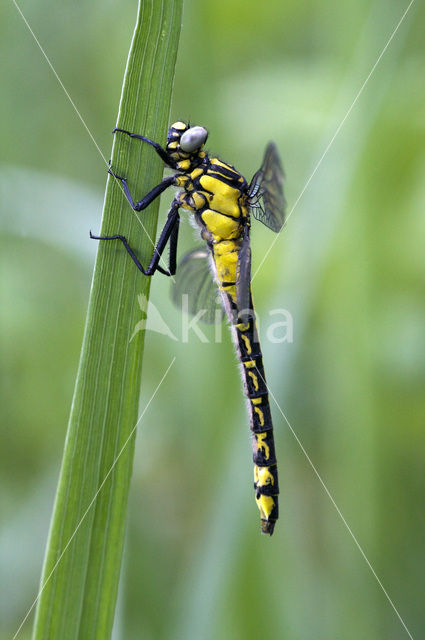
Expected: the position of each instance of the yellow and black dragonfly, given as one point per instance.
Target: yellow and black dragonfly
(221, 202)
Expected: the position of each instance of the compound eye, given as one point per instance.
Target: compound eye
(193, 139)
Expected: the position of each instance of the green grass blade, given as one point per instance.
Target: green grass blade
(82, 565)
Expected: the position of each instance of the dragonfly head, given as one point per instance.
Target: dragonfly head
(184, 144)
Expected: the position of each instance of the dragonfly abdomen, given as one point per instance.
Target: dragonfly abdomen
(265, 464)
(225, 257)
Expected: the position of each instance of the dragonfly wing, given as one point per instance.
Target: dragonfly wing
(266, 191)
(195, 289)
(243, 275)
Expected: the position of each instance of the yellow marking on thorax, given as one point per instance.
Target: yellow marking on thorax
(216, 162)
(225, 198)
(266, 506)
(221, 226)
(183, 181)
(179, 125)
(261, 444)
(196, 173)
(181, 198)
(262, 476)
(183, 165)
(199, 199)
(220, 163)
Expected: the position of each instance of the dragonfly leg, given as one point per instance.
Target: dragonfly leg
(149, 197)
(168, 233)
(160, 151)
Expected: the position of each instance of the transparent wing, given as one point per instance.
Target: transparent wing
(266, 191)
(195, 289)
(243, 274)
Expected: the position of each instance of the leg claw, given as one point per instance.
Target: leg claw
(121, 131)
(115, 175)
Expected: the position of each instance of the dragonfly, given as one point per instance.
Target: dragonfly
(221, 203)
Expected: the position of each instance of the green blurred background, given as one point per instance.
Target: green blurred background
(349, 267)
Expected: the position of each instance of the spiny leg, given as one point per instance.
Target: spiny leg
(172, 258)
(149, 197)
(169, 232)
(160, 151)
